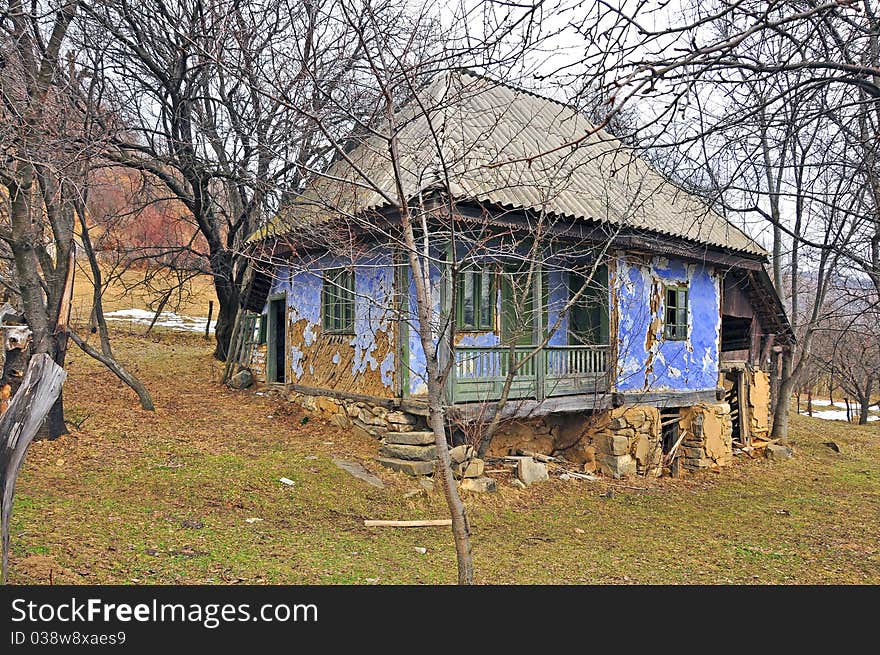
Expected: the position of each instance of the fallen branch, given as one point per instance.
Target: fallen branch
(30, 405)
(580, 476)
(537, 456)
(406, 524)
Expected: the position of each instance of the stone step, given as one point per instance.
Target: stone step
(402, 451)
(408, 466)
(410, 438)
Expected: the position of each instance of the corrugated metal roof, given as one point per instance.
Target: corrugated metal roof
(491, 143)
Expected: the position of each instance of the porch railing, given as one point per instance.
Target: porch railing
(479, 373)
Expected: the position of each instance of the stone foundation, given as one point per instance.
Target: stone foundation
(624, 441)
(759, 404)
(708, 439)
(628, 441)
(621, 441)
(360, 417)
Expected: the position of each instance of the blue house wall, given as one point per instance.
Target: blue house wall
(646, 360)
(365, 361)
(362, 362)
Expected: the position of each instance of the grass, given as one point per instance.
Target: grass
(165, 497)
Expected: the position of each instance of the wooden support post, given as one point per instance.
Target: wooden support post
(742, 401)
(540, 362)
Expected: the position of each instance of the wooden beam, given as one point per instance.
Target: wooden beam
(409, 405)
(664, 399)
(532, 408)
(407, 524)
(742, 395)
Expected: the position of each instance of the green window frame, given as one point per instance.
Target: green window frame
(588, 320)
(261, 331)
(676, 313)
(337, 301)
(475, 299)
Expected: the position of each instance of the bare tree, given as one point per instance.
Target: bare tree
(186, 83)
(38, 175)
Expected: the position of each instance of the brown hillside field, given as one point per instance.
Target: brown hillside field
(193, 301)
(167, 497)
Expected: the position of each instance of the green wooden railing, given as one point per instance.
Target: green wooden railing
(478, 373)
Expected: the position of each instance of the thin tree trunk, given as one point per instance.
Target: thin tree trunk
(118, 370)
(783, 403)
(106, 356)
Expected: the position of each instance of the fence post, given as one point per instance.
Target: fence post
(210, 314)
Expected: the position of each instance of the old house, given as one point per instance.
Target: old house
(620, 318)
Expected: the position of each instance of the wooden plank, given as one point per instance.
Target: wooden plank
(39, 389)
(407, 524)
(742, 401)
(664, 399)
(532, 408)
(389, 403)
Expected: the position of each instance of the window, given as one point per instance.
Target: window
(588, 316)
(518, 316)
(337, 301)
(676, 313)
(476, 300)
(261, 330)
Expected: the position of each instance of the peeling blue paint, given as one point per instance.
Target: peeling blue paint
(655, 363)
(373, 294)
(479, 339)
(644, 364)
(387, 369)
(418, 380)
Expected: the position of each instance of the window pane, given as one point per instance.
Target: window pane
(467, 312)
(486, 300)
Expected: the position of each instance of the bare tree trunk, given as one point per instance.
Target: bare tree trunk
(783, 403)
(118, 370)
(864, 409)
(865, 403)
(106, 356)
(18, 426)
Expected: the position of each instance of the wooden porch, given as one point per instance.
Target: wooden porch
(479, 373)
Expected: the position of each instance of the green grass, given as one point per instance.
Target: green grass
(164, 497)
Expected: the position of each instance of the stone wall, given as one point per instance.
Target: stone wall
(759, 404)
(625, 441)
(258, 361)
(621, 441)
(708, 441)
(628, 441)
(362, 418)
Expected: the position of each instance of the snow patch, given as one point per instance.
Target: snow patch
(168, 320)
(836, 414)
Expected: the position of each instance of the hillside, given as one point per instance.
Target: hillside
(191, 494)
